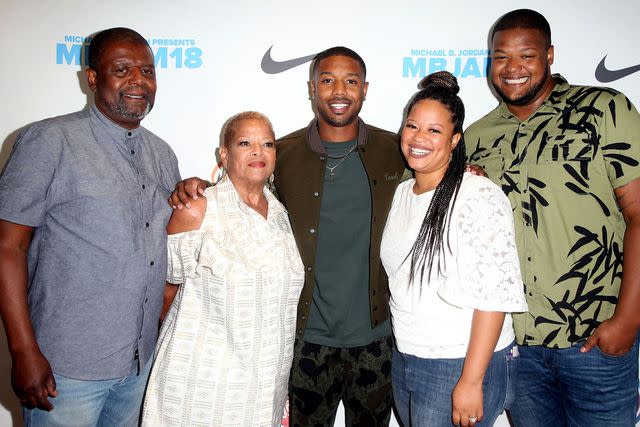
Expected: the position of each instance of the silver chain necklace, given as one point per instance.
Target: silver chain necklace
(341, 157)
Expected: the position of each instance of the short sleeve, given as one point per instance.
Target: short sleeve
(183, 252)
(620, 140)
(27, 178)
(487, 275)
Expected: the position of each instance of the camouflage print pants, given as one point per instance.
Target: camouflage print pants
(322, 376)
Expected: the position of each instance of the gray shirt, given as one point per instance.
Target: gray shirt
(96, 194)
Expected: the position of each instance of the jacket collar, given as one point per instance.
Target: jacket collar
(315, 142)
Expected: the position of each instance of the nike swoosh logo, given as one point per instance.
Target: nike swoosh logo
(605, 75)
(270, 66)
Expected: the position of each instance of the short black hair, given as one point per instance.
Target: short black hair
(338, 51)
(523, 18)
(103, 38)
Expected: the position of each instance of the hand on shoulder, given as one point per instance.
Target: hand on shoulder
(183, 220)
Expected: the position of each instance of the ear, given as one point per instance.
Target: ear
(365, 87)
(455, 140)
(224, 154)
(312, 88)
(92, 79)
(550, 55)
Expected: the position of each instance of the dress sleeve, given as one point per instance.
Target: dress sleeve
(487, 274)
(183, 252)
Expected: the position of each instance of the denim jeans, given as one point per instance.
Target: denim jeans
(100, 403)
(563, 387)
(422, 388)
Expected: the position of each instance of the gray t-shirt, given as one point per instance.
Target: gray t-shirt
(340, 314)
(96, 195)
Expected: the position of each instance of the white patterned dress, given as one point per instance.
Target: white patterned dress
(225, 348)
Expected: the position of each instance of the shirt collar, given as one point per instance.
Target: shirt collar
(117, 132)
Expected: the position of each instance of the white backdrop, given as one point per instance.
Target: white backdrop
(210, 64)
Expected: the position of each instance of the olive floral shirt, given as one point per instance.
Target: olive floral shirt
(559, 168)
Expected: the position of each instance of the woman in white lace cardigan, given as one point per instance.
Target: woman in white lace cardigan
(226, 345)
(449, 250)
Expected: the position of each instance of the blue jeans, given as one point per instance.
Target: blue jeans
(101, 403)
(563, 387)
(422, 388)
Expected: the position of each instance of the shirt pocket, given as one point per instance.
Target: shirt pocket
(568, 157)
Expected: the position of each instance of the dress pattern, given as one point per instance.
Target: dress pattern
(225, 348)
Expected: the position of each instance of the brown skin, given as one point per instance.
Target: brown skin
(249, 157)
(338, 90)
(124, 85)
(522, 53)
(338, 80)
(428, 128)
(31, 375)
(616, 335)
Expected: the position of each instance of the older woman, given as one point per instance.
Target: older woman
(449, 249)
(226, 345)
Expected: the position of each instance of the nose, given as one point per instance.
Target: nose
(136, 76)
(339, 87)
(258, 150)
(513, 64)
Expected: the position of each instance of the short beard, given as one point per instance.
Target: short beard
(123, 111)
(338, 123)
(527, 97)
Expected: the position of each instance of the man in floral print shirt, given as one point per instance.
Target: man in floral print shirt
(567, 157)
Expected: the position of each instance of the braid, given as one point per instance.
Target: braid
(442, 87)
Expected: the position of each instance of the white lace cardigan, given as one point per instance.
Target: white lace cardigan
(433, 320)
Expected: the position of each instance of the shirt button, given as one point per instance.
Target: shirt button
(129, 133)
(133, 152)
(299, 331)
(146, 300)
(143, 187)
(312, 230)
(535, 279)
(375, 182)
(140, 337)
(306, 303)
(375, 308)
(151, 263)
(529, 258)
(530, 294)
(146, 224)
(373, 292)
(322, 157)
(309, 268)
(304, 317)
(316, 194)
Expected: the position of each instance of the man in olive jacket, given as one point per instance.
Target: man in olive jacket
(337, 178)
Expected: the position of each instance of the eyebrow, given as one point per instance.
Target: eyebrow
(331, 73)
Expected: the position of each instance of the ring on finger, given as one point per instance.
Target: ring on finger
(473, 419)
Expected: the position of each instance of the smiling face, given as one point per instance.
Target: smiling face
(249, 154)
(124, 82)
(521, 69)
(338, 90)
(427, 140)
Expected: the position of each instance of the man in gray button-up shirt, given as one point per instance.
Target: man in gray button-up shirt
(83, 246)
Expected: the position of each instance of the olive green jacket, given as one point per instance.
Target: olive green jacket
(298, 178)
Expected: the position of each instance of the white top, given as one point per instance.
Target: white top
(226, 346)
(481, 271)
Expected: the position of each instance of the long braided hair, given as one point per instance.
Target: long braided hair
(441, 86)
